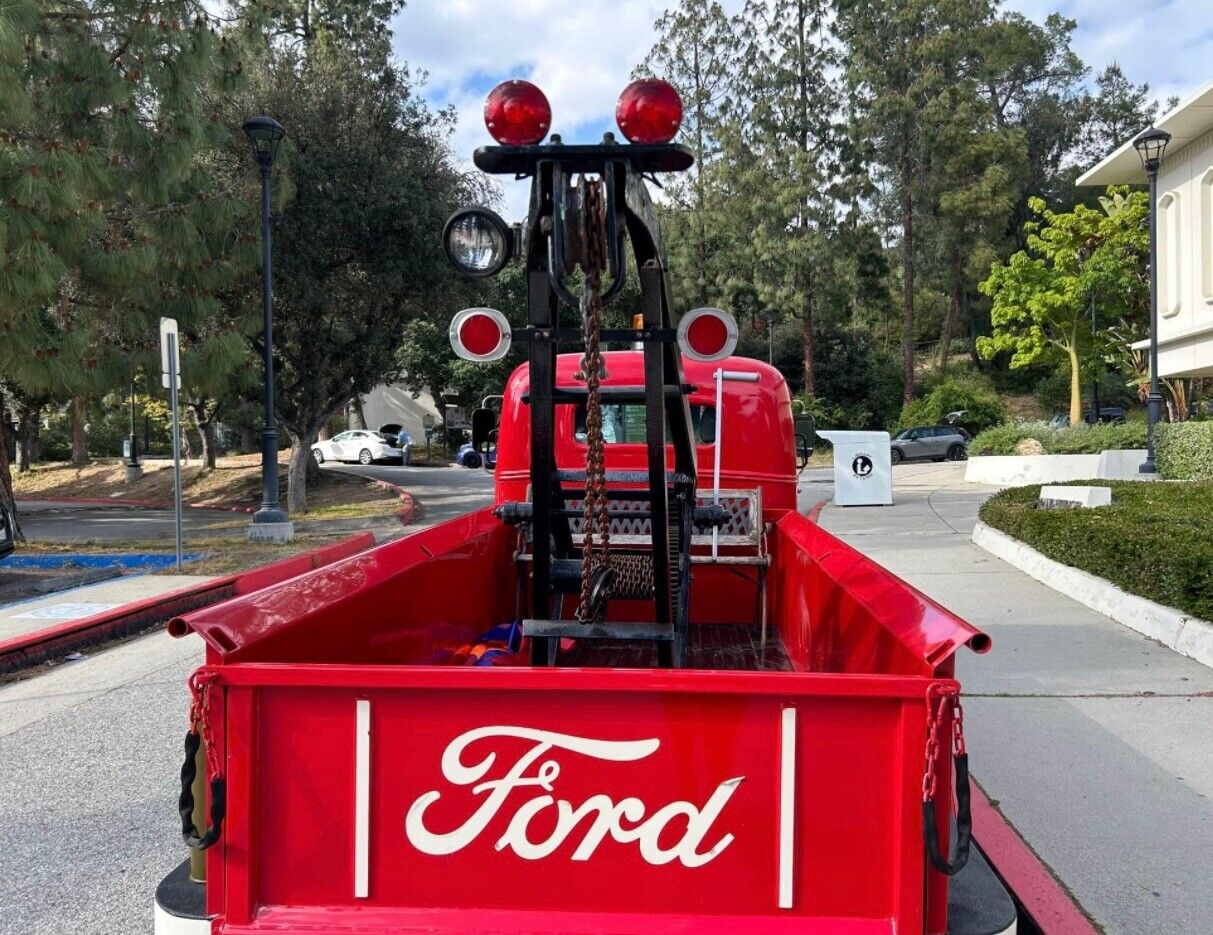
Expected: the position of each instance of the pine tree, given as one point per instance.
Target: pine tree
(697, 52)
(1116, 112)
(900, 58)
(110, 214)
(784, 143)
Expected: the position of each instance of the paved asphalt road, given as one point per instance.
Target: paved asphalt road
(90, 751)
(67, 522)
(1095, 741)
(442, 492)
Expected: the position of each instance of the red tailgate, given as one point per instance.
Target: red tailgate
(570, 800)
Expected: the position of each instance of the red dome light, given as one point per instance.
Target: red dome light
(480, 334)
(517, 113)
(707, 334)
(649, 111)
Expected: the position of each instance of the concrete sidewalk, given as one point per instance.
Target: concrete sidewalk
(42, 613)
(1095, 742)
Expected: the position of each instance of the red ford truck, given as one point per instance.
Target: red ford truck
(641, 692)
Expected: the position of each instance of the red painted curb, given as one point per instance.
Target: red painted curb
(815, 510)
(1032, 883)
(29, 649)
(409, 512)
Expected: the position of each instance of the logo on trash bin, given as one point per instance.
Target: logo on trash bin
(862, 465)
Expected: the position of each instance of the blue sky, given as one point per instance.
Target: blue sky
(467, 46)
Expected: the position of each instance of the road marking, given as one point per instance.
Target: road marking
(64, 611)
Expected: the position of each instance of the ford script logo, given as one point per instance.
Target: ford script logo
(508, 789)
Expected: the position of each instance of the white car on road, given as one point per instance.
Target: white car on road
(361, 445)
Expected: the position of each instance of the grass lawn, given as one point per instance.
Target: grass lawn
(1155, 540)
(234, 481)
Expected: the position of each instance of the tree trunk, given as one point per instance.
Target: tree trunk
(210, 443)
(6, 484)
(27, 438)
(1075, 385)
(952, 316)
(808, 341)
(357, 416)
(907, 272)
(79, 440)
(296, 474)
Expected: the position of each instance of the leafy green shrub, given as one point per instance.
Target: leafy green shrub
(1184, 450)
(969, 392)
(1073, 440)
(1092, 439)
(1002, 439)
(1154, 540)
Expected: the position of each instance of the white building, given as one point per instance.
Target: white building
(1185, 232)
(395, 404)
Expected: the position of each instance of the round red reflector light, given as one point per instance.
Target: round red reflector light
(649, 111)
(480, 334)
(517, 113)
(707, 334)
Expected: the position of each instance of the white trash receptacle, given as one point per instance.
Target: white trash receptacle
(863, 469)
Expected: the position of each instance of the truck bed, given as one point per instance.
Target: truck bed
(730, 647)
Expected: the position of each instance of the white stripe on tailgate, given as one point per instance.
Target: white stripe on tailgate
(362, 796)
(787, 803)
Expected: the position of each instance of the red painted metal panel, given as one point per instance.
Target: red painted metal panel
(841, 612)
(759, 443)
(684, 738)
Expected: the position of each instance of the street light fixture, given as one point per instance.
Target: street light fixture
(1151, 145)
(270, 522)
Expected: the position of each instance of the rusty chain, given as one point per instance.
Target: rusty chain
(592, 371)
(199, 683)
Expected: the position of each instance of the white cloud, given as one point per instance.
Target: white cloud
(1167, 44)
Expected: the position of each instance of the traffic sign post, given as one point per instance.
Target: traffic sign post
(171, 378)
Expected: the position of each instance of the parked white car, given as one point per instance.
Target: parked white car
(361, 445)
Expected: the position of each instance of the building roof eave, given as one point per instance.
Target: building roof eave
(1190, 119)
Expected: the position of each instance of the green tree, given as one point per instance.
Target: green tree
(109, 216)
(1116, 112)
(356, 247)
(1042, 295)
(697, 52)
(900, 58)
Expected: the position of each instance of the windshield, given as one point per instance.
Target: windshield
(624, 424)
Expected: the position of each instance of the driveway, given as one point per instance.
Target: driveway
(442, 492)
(1096, 743)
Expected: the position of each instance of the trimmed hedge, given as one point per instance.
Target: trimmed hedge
(1154, 540)
(1184, 450)
(1072, 440)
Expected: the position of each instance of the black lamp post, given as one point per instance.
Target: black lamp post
(270, 521)
(1150, 146)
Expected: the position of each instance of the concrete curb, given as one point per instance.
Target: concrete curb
(1189, 636)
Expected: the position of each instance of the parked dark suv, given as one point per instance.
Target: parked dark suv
(6, 533)
(936, 442)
